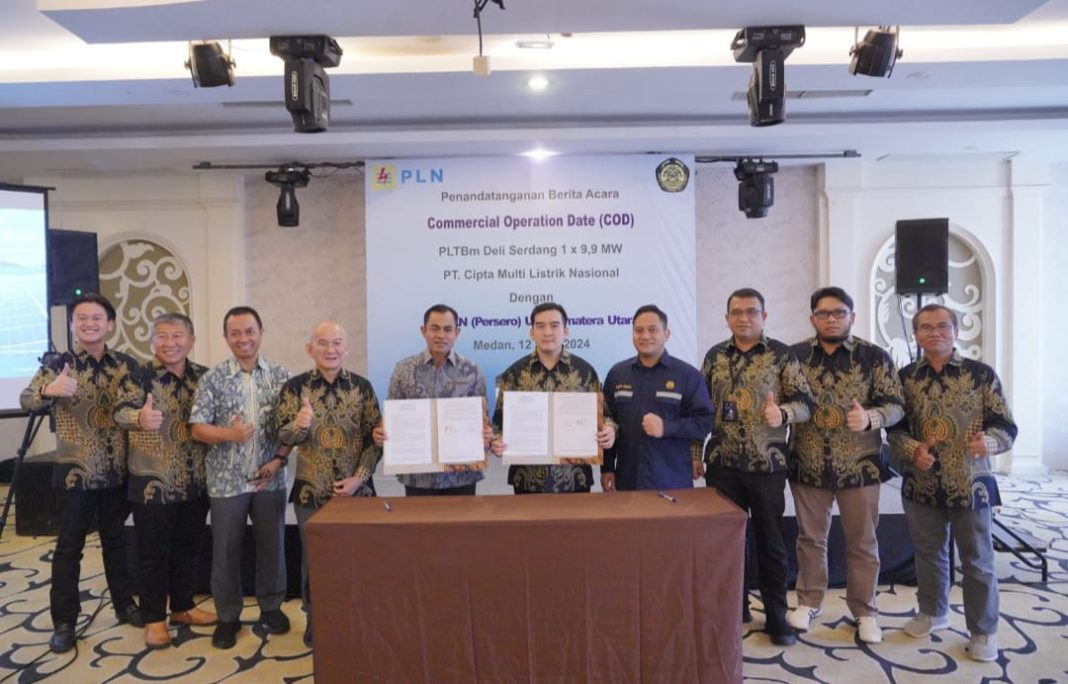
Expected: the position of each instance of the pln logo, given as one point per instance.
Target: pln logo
(388, 176)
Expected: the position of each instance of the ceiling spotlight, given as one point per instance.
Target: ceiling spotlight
(538, 83)
(210, 65)
(756, 187)
(288, 178)
(877, 53)
(767, 47)
(307, 87)
(534, 44)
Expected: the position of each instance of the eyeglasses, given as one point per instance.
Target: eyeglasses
(927, 329)
(837, 314)
(747, 313)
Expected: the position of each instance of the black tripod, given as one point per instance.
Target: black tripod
(33, 424)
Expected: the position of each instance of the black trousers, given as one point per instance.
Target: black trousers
(76, 511)
(464, 490)
(763, 496)
(168, 536)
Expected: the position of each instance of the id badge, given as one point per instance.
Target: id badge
(730, 412)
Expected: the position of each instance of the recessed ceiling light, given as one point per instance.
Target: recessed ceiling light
(538, 83)
(539, 153)
(918, 75)
(534, 44)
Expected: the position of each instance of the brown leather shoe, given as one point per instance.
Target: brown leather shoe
(156, 635)
(193, 616)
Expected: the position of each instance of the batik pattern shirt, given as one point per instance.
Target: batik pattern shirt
(90, 447)
(748, 443)
(951, 406)
(528, 374)
(338, 443)
(416, 377)
(830, 455)
(227, 391)
(166, 465)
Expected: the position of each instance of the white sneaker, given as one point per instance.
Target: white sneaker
(799, 618)
(868, 630)
(982, 647)
(923, 624)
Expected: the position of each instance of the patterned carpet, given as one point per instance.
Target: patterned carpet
(1033, 630)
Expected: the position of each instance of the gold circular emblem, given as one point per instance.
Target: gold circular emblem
(828, 417)
(672, 175)
(100, 418)
(331, 437)
(939, 429)
(670, 384)
(743, 397)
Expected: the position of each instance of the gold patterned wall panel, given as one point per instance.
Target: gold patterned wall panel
(143, 279)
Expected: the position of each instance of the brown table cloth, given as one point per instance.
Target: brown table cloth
(621, 587)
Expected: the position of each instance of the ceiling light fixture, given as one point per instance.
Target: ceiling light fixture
(480, 63)
(877, 53)
(767, 47)
(534, 44)
(209, 65)
(288, 178)
(756, 187)
(306, 85)
(539, 153)
(538, 83)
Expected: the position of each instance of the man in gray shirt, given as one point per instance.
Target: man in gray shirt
(438, 372)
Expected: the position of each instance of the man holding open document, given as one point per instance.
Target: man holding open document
(543, 421)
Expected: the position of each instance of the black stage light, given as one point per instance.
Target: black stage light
(876, 54)
(210, 65)
(288, 178)
(767, 47)
(756, 187)
(307, 87)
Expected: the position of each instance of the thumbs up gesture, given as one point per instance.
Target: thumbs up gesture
(857, 419)
(304, 417)
(922, 457)
(63, 386)
(240, 431)
(149, 418)
(772, 414)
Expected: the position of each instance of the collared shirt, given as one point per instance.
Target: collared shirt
(166, 465)
(829, 454)
(416, 377)
(528, 374)
(950, 406)
(338, 444)
(744, 378)
(90, 447)
(671, 389)
(224, 392)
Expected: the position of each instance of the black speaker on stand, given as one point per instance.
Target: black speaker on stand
(921, 256)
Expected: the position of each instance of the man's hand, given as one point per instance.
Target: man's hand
(148, 418)
(698, 470)
(653, 425)
(265, 474)
(240, 431)
(606, 436)
(304, 417)
(348, 486)
(608, 482)
(378, 435)
(922, 457)
(977, 445)
(857, 419)
(63, 386)
(487, 435)
(772, 413)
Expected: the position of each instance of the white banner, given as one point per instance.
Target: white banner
(493, 237)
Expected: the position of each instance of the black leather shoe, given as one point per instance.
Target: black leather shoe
(783, 638)
(63, 638)
(225, 635)
(746, 615)
(129, 614)
(275, 621)
(308, 635)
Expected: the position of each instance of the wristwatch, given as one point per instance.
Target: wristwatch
(785, 416)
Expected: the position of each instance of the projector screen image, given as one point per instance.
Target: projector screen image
(23, 289)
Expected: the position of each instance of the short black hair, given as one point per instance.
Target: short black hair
(653, 309)
(242, 311)
(928, 308)
(91, 298)
(547, 306)
(745, 293)
(179, 318)
(441, 309)
(832, 291)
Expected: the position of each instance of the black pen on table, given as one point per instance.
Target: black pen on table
(665, 495)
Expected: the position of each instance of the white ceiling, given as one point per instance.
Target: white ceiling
(104, 89)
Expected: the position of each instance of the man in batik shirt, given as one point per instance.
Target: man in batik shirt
(839, 458)
(167, 486)
(329, 413)
(758, 390)
(80, 387)
(549, 368)
(956, 418)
